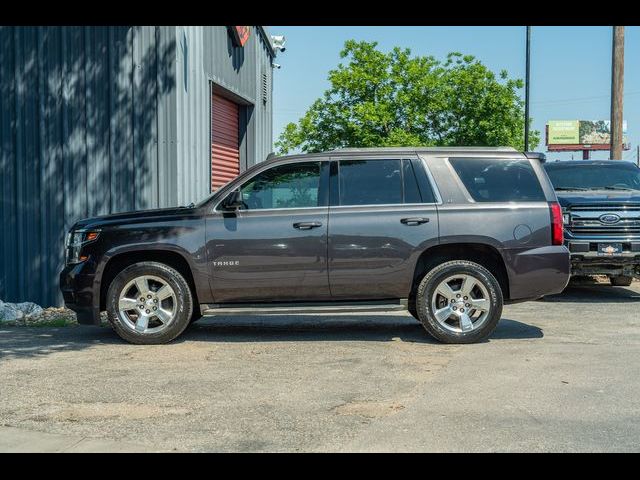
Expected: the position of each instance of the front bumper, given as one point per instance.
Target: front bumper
(585, 259)
(77, 286)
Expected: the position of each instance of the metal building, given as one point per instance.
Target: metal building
(98, 120)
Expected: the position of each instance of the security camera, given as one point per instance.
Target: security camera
(276, 65)
(278, 42)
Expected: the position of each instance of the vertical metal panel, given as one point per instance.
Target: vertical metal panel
(166, 115)
(192, 110)
(53, 190)
(207, 55)
(97, 120)
(145, 148)
(9, 260)
(80, 113)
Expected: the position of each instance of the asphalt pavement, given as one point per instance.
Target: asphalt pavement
(561, 374)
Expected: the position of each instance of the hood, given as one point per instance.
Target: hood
(568, 198)
(139, 216)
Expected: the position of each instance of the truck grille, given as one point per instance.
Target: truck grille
(591, 219)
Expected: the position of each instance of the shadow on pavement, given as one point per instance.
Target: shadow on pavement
(17, 342)
(514, 330)
(595, 293)
(355, 328)
(22, 342)
(315, 328)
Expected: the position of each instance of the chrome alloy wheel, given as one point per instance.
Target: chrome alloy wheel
(147, 304)
(461, 303)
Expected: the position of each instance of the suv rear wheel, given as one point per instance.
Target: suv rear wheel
(149, 303)
(459, 302)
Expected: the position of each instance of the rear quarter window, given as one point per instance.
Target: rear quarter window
(495, 180)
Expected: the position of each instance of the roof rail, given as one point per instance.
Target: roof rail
(424, 149)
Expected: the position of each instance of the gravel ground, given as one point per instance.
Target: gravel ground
(557, 375)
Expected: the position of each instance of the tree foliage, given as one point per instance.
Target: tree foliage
(396, 99)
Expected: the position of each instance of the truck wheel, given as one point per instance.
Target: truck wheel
(411, 307)
(149, 303)
(621, 281)
(459, 302)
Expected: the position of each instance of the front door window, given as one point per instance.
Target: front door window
(294, 185)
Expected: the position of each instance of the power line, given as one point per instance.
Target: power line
(580, 99)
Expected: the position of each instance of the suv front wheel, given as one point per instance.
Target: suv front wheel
(149, 303)
(459, 302)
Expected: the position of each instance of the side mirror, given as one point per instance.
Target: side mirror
(234, 201)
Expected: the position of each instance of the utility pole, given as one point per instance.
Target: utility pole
(638, 155)
(617, 87)
(526, 91)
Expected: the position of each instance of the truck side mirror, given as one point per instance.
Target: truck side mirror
(235, 201)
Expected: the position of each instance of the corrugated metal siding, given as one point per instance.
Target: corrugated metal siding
(225, 151)
(193, 141)
(97, 120)
(263, 112)
(206, 56)
(81, 110)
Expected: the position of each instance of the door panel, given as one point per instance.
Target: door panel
(372, 254)
(261, 257)
(380, 221)
(275, 247)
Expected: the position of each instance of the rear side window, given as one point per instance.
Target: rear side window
(383, 182)
(493, 180)
(370, 182)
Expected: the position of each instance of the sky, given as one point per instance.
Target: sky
(570, 68)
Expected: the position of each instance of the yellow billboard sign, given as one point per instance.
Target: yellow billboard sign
(563, 132)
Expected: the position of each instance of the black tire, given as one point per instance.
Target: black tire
(184, 307)
(411, 306)
(437, 275)
(621, 281)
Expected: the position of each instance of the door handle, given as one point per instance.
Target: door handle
(306, 225)
(414, 221)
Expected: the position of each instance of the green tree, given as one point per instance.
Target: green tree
(396, 99)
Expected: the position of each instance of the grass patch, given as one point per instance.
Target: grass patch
(57, 322)
(54, 322)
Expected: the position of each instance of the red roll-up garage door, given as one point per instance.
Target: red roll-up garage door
(225, 148)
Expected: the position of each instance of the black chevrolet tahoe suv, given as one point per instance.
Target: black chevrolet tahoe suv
(449, 234)
(601, 211)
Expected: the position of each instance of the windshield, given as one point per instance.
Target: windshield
(594, 177)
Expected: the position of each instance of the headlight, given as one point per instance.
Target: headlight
(76, 239)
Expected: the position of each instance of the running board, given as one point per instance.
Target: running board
(302, 309)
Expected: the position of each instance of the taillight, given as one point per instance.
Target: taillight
(557, 232)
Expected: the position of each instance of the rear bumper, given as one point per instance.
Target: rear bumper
(76, 285)
(537, 272)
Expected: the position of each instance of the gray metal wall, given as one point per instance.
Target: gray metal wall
(97, 120)
(206, 56)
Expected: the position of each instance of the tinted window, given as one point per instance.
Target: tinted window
(370, 182)
(411, 190)
(294, 185)
(594, 176)
(426, 190)
(489, 180)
